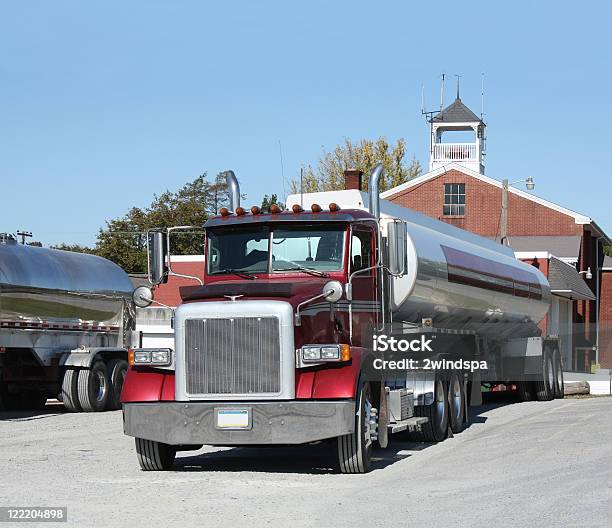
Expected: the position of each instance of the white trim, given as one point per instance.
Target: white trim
(578, 218)
(187, 258)
(532, 254)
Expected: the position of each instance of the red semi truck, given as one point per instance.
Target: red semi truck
(276, 345)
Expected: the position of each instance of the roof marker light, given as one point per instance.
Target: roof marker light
(334, 207)
(255, 210)
(224, 211)
(297, 208)
(275, 209)
(240, 211)
(315, 208)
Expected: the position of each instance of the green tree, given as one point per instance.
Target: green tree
(123, 240)
(268, 201)
(365, 155)
(77, 248)
(608, 250)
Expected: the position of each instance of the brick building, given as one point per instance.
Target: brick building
(557, 239)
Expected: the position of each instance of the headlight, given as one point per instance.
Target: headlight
(322, 353)
(150, 356)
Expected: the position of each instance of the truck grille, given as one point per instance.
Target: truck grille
(239, 355)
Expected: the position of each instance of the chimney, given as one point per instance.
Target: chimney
(352, 179)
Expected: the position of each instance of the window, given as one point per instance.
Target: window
(454, 199)
(247, 249)
(361, 250)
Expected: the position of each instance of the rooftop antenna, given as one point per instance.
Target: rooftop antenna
(458, 77)
(422, 98)
(282, 166)
(442, 92)
(302, 187)
(482, 96)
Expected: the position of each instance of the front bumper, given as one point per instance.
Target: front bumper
(287, 422)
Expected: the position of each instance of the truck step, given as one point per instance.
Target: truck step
(408, 424)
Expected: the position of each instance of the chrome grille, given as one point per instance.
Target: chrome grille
(239, 355)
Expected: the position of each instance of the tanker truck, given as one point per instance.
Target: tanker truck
(279, 344)
(66, 320)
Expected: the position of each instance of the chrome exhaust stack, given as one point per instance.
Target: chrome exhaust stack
(233, 190)
(374, 190)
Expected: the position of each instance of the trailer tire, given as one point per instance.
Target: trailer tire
(545, 387)
(355, 449)
(558, 369)
(94, 387)
(437, 413)
(456, 403)
(70, 390)
(524, 391)
(154, 456)
(117, 369)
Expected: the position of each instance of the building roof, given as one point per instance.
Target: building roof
(565, 281)
(564, 247)
(578, 217)
(456, 112)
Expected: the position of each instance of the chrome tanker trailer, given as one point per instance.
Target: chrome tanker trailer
(342, 318)
(66, 320)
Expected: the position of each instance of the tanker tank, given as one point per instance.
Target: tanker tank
(40, 285)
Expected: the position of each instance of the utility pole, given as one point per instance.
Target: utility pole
(503, 228)
(24, 235)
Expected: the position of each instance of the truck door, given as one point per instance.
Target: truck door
(364, 306)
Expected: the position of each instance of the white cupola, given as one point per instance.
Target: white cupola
(457, 118)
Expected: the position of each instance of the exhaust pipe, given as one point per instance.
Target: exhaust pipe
(374, 190)
(234, 190)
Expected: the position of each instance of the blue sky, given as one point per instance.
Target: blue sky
(103, 104)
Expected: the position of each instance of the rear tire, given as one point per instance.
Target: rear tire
(437, 426)
(117, 369)
(524, 390)
(558, 369)
(94, 387)
(456, 403)
(70, 391)
(355, 449)
(545, 387)
(154, 456)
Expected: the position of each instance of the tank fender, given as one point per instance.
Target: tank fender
(83, 357)
(422, 385)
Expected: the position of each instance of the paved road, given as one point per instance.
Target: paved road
(529, 464)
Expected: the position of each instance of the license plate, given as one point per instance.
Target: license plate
(233, 418)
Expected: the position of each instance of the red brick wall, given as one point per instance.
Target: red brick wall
(605, 321)
(169, 293)
(483, 208)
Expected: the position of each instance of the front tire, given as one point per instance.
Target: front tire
(117, 369)
(154, 456)
(355, 449)
(94, 387)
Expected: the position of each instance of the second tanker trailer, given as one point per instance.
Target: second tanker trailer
(279, 344)
(66, 320)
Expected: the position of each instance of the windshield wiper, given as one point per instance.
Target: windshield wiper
(310, 271)
(243, 274)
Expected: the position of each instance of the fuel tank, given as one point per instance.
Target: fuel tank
(40, 285)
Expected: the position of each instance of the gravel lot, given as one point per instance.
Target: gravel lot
(537, 464)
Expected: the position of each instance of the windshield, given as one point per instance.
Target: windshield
(247, 250)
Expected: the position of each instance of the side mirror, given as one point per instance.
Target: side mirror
(397, 239)
(142, 296)
(333, 291)
(156, 259)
